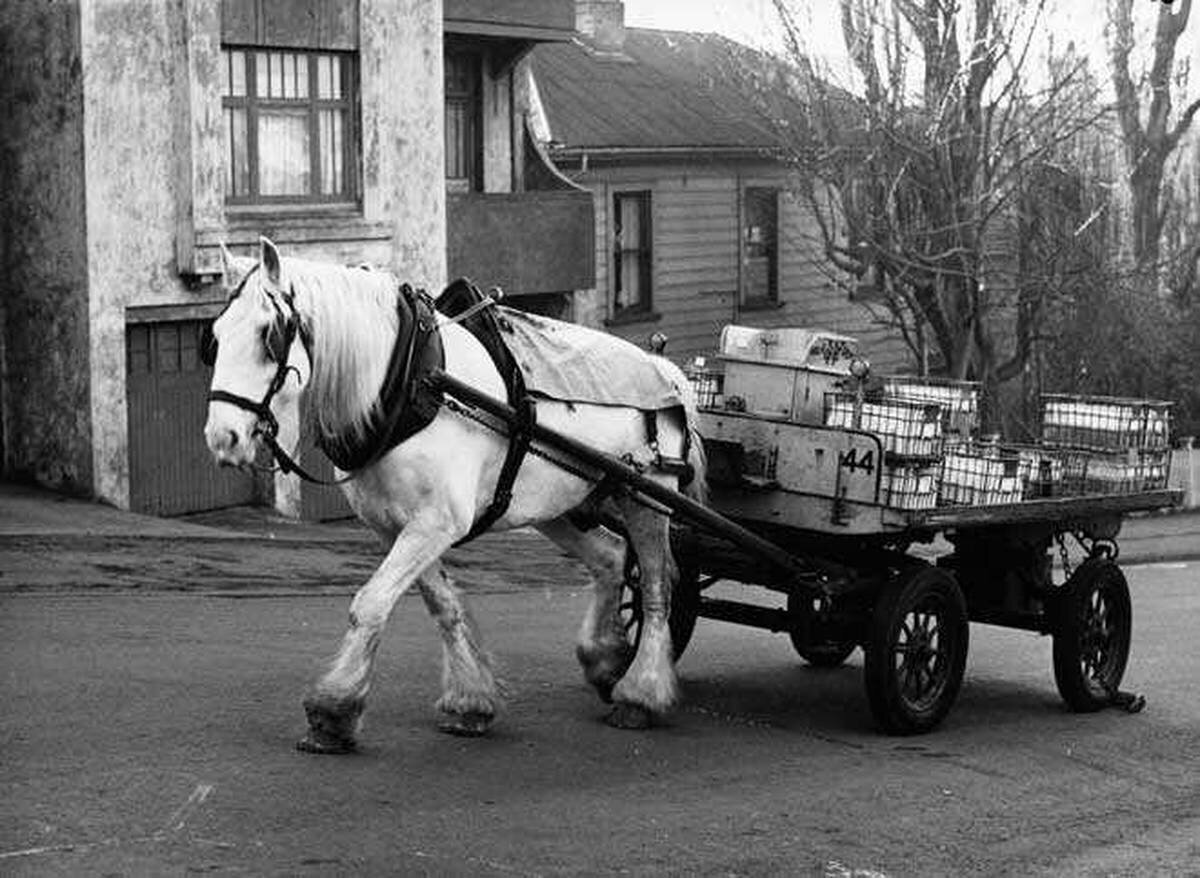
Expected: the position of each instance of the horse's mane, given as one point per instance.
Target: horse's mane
(350, 314)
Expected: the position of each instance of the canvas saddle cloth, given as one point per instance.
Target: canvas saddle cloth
(570, 363)
(552, 359)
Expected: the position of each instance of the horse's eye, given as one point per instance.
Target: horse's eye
(208, 345)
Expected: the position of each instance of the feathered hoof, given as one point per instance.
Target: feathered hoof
(323, 746)
(331, 728)
(603, 669)
(466, 725)
(625, 715)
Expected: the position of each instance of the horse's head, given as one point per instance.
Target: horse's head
(253, 349)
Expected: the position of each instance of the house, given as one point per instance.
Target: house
(697, 225)
(140, 136)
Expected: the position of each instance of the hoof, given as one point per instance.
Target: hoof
(331, 728)
(466, 725)
(312, 743)
(604, 669)
(629, 716)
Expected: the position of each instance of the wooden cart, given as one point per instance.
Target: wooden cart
(831, 516)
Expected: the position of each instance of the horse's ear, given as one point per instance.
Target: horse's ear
(270, 259)
(233, 268)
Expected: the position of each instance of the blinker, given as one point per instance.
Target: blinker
(277, 339)
(208, 345)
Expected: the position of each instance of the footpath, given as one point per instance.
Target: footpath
(52, 542)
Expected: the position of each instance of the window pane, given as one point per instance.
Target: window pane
(263, 71)
(138, 349)
(284, 166)
(237, 180)
(632, 256)
(332, 126)
(329, 77)
(276, 74)
(631, 223)
(189, 347)
(457, 140)
(335, 90)
(167, 336)
(760, 243)
(630, 293)
(302, 74)
(236, 82)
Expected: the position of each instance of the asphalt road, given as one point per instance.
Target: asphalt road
(148, 731)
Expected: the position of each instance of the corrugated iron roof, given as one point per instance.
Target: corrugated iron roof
(665, 90)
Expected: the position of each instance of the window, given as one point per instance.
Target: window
(760, 246)
(464, 145)
(289, 122)
(632, 256)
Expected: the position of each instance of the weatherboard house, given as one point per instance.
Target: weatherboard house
(696, 223)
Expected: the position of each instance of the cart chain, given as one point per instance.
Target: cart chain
(1064, 556)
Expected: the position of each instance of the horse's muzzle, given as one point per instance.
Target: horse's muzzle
(230, 444)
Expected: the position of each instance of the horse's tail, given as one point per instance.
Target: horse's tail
(697, 487)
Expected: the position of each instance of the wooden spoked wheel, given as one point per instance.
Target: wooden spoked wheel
(1092, 633)
(917, 651)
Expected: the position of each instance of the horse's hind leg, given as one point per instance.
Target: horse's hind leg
(649, 686)
(603, 646)
(468, 686)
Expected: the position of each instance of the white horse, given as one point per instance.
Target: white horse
(424, 494)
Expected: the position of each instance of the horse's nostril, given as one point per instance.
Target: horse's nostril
(233, 439)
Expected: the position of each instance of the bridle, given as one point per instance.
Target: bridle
(266, 426)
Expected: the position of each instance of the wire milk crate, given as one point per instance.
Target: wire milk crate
(906, 428)
(909, 486)
(1102, 423)
(707, 383)
(959, 399)
(1042, 470)
(1087, 473)
(973, 475)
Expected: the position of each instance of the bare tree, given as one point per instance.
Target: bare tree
(1151, 136)
(918, 190)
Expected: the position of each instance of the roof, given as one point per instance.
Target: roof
(666, 91)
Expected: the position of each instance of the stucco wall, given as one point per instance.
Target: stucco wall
(43, 276)
(131, 53)
(154, 138)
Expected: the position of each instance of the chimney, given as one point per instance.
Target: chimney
(601, 23)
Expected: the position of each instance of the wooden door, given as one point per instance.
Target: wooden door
(170, 469)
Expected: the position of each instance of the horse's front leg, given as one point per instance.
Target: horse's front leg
(469, 697)
(335, 706)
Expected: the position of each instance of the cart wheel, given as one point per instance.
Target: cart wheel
(685, 607)
(822, 652)
(1092, 632)
(917, 651)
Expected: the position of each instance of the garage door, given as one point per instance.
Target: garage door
(170, 469)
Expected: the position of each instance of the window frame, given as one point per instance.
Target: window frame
(644, 307)
(313, 105)
(771, 246)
